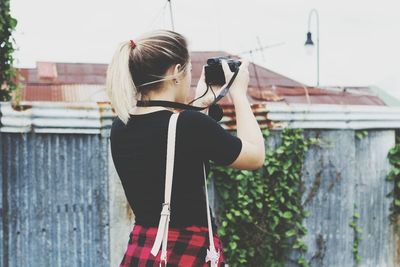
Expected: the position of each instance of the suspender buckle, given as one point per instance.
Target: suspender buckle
(165, 209)
(163, 263)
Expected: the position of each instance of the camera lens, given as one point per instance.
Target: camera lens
(212, 61)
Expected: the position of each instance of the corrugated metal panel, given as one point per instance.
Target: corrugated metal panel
(95, 118)
(377, 247)
(56, 203)
(54, 117)
(340, 172)
(322, 116)
(344, 171)
(55, 189)
(333, 116)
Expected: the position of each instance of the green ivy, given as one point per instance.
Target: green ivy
(10, 85)
(394, 176)
(357, 238)
(360, 134)
(261, 214)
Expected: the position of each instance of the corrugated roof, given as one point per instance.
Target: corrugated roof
(65, 93)
(80, 82)
(67, 73)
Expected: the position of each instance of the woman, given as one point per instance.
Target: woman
(157, 67)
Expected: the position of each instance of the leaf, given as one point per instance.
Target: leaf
(271, 170)
(296, 245)
(235, 237)
(290, 233)
(233, 245)
(13, 23)
(221, 231)
(287, 215)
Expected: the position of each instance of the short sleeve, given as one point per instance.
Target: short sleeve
(209, 139)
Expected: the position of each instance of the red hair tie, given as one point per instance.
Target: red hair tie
(133, 44)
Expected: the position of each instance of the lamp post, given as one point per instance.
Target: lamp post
(309, 42)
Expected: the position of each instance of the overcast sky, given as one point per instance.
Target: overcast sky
(359, 39)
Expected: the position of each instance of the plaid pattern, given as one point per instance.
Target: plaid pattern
(186, 247)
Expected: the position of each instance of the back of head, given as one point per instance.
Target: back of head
(136, 70)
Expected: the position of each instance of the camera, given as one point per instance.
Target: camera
(214, 73)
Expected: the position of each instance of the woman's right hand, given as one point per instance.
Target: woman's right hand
(240, 84)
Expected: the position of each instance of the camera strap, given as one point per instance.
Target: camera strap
(215, 112)
(226, 89)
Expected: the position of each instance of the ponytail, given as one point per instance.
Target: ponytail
(136, 71)
(120, 87)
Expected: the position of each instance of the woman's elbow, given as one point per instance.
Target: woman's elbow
(261, 158)
(261, 162)
(258, 163)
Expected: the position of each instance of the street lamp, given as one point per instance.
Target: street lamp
(309, 44)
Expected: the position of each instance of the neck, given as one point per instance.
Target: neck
(165, 94)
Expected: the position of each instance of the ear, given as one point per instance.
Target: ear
(177, 68)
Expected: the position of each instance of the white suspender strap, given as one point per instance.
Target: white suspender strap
(162, 232)
(212, 254)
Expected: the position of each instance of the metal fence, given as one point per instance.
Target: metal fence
(342, 172)
(54, 199)
(62, 203)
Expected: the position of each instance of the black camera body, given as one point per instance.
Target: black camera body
(214, 73)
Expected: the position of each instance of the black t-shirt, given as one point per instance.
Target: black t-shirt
(139, 154)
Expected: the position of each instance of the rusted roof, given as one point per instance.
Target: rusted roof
(81, 82)
(65, 93)
(66, 73)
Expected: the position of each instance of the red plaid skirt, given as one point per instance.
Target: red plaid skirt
(186, 247)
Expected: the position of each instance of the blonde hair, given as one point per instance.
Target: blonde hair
(133, 72)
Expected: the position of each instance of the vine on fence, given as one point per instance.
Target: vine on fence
(360, 134)
(9, 81)
(394, 176)
(357, 236)
(261, 213)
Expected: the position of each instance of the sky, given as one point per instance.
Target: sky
(359, 39)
